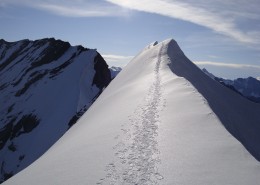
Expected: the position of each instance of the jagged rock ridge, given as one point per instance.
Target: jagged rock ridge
(45, 86)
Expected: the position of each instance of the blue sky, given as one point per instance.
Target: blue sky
(222, 36)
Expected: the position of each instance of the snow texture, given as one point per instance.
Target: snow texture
(160, 121)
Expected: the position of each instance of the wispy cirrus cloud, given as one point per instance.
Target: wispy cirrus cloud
(218, 17)
(76, 8)
(229, 65)
(76, 11)
(234, 18)
(117, 57)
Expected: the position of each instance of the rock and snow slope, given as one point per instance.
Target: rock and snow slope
(45, 85)
(159, 122)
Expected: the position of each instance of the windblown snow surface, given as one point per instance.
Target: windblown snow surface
(160, 121)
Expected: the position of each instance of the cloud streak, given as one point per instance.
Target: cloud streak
(117, 57)
(75, 11)
(223, 17)
(76, 8)
(229, 65)
(117, 60)
(201, 15)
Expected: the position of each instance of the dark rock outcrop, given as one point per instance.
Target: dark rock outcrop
(102, 76)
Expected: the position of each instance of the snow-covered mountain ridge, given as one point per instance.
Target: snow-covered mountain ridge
(45, 86)
(160, 121)
(247, 87)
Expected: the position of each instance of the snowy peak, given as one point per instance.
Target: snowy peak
(219, 98)
(149, 46)
(46, 85)
(169, 43)
(172, 46)
(160, 121)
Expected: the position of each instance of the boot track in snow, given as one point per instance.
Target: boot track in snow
(136, 153)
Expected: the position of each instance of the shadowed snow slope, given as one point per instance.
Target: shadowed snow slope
(159, 122)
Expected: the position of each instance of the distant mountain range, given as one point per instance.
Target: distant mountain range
(247, 87)
(46, 85)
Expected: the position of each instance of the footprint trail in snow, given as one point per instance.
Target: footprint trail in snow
(137, 154)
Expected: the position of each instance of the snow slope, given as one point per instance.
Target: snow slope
(45, 85)
(160, 121)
